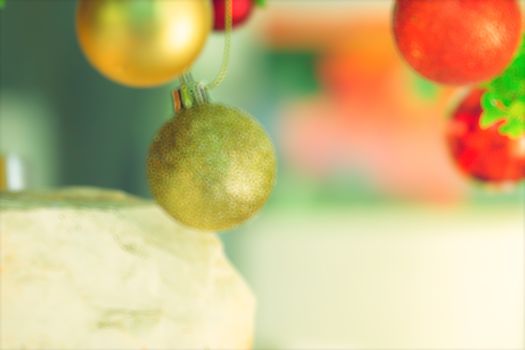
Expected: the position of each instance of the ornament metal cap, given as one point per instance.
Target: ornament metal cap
(190, 93)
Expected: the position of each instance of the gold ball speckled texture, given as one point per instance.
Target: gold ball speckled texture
(143, 43)
(211, 167)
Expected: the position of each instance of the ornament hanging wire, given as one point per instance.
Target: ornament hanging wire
(227, 47)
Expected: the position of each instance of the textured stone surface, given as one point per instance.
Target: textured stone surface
(88, 269)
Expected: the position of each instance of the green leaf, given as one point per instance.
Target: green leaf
(504, 100)
(492, 110)
(2, 4)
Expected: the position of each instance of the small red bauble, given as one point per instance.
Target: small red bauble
(242, 10)
(484, 154)
(457, 42)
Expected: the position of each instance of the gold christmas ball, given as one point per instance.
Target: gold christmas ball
(143, 43)
(211, 167)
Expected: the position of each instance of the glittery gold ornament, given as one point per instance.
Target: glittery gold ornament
(212, 166)
(143, 43)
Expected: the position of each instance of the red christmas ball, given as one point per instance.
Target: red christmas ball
(484, 154)
(242, 10)
(457, 42)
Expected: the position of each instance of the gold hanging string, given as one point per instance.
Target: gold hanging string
(227, 47)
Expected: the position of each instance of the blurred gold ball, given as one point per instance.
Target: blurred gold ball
(143, 43)
(211, 167)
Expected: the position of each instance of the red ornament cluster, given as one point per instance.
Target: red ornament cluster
(241, 9)
(457, 42)
(484, 154)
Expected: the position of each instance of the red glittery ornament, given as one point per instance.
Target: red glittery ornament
(484, 154)
(457, 42)
(242, 10)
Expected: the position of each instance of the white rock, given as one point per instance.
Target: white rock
(93, 269)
